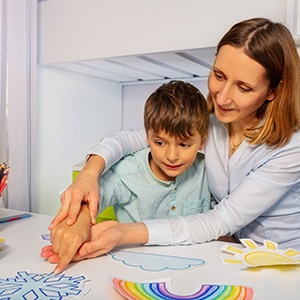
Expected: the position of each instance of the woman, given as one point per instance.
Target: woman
(252, 152)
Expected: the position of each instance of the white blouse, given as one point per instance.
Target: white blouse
(257, 190)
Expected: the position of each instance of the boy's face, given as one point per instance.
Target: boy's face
(171, 156)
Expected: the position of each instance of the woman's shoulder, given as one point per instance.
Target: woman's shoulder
(296, 137)
(293, 144)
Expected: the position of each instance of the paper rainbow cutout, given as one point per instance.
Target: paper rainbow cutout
(159, 290)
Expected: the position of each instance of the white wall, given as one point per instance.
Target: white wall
(73, 113)
(134, 97)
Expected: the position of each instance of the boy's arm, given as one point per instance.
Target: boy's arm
(66, 240)
(83, 189)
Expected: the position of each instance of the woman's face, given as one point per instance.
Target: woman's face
(238, 86)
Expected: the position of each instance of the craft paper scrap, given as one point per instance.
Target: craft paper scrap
(50, 286)
(46, 237)
(155, 262)
(254, 255)
(160, 290)
(2, 243)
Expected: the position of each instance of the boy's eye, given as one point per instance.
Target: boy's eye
(159, 143)
(184, 145)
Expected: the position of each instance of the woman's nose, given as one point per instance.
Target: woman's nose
(224, 96)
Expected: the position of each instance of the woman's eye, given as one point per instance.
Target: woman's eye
(244, 89)
(218, 75)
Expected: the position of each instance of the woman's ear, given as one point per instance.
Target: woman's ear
(273, 94)
(203, 142)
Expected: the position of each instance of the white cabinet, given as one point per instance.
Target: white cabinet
(136, 40)
(75, 30)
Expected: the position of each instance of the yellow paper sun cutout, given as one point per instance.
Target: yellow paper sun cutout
(266, 255)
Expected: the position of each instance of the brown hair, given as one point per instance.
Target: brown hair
(178, 108)
(272, 46)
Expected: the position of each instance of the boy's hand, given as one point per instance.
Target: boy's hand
(66, 240)
(104, 237)
(100, 234)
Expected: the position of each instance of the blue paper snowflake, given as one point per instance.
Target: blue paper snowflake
(46, 237)
(32, 286)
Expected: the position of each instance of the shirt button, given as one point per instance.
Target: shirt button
(173, 207)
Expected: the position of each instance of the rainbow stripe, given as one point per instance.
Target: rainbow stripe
(159, 290)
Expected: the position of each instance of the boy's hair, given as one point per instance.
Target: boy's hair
(178, 108)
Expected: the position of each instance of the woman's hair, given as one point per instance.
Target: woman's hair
(178, 108)
(272, 46)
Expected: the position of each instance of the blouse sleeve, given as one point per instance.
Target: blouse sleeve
(198, 228)
(269, 192)
(118, 145)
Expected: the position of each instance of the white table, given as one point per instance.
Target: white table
(24, 242)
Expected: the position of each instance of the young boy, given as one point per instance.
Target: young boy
(168, 178)
(163, 181)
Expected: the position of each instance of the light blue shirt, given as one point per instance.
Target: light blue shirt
(257, 190)
(136, 194)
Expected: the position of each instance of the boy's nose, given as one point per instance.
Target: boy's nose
(172, 154)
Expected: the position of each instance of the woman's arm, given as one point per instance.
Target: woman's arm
(120, 144)
(108, 235)
(85, 188)
(264, 204)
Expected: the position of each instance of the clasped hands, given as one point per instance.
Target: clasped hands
(74, 234)
(80, 240)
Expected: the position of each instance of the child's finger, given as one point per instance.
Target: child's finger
(62, 214)
(65, 259)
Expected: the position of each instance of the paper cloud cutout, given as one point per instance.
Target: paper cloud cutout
(155, 262)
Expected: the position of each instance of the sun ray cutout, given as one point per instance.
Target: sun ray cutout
(266, 255)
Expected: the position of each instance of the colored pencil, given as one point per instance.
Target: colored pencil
(4, 171)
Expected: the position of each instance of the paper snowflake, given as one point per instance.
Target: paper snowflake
(32, 286)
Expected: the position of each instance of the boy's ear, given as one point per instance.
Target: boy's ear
(147, 138)
(203, 142)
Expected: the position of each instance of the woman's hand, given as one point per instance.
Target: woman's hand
(83, 189)
(107, 235)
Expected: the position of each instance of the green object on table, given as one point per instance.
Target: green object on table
(107, 214)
